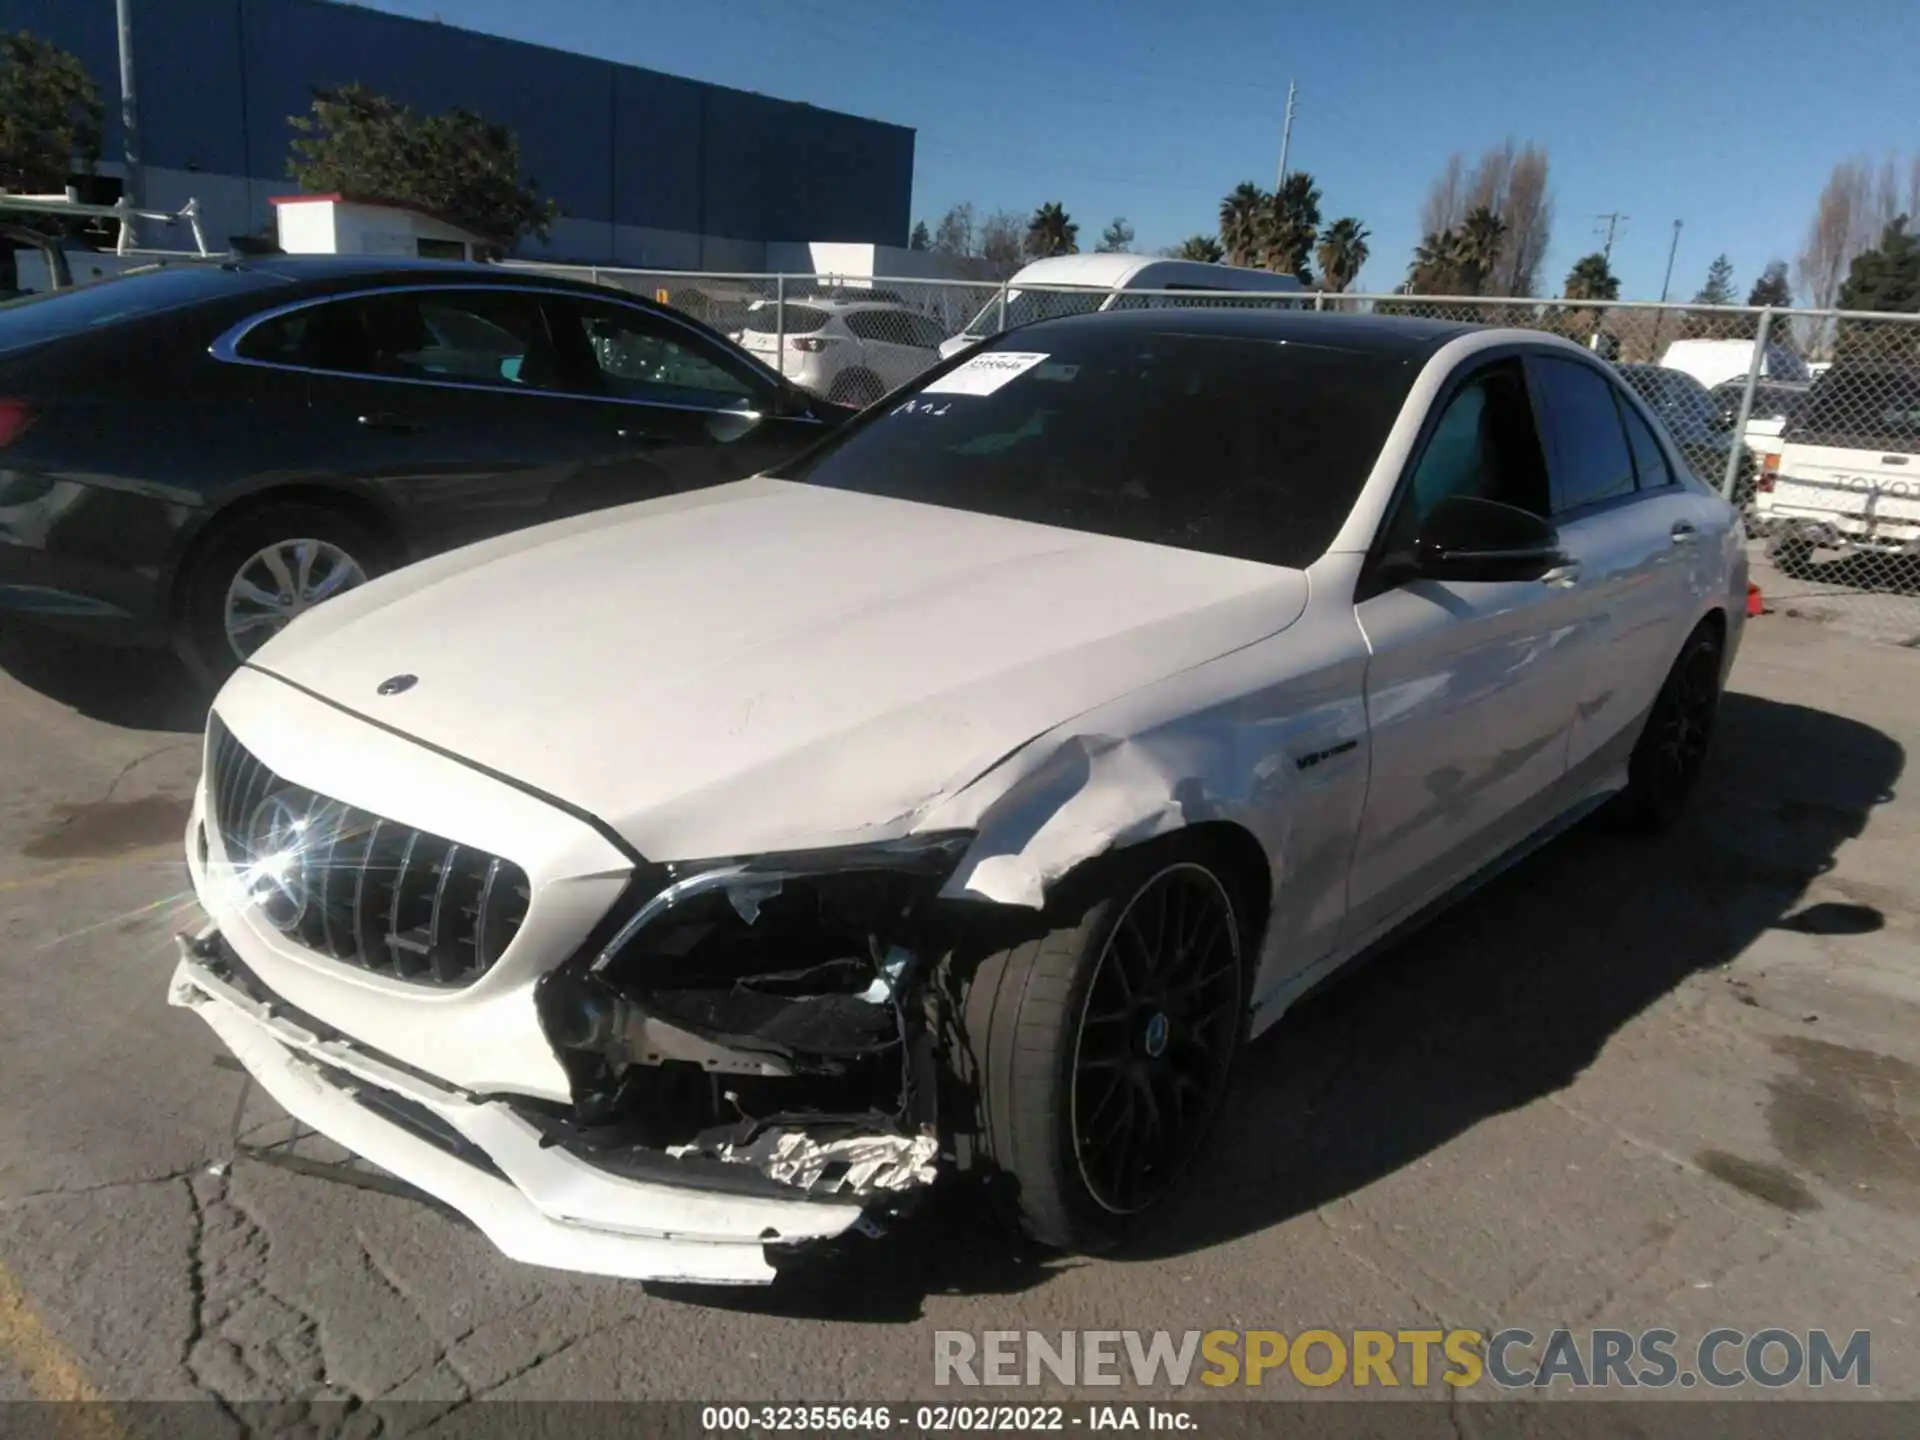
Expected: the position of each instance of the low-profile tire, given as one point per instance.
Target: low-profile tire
(1132, 1004)
(1671, 752)
(858, 388)
(233, 597)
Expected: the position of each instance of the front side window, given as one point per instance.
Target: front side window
(637, 356)
(1591, 458)
(1227, 444)
(1484, 446)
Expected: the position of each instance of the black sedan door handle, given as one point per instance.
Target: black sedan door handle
(1682, 532)
(390, 421)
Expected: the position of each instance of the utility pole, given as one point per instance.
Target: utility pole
(133, 189)
(1613, 219)
(1659, 316)
(1672, 250)
(1286, 136)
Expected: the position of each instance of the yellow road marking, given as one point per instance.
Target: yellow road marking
(81, 869)
(52, 1371)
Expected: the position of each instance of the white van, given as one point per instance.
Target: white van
(1078, 284)
(1714, 362)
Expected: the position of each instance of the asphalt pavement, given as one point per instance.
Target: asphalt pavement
(1632, 1084)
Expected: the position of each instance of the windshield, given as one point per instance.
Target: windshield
(32, 319)
(1674, 396)
(1238, 446)
(1026, 306)
(1862, 409)
(764, 317)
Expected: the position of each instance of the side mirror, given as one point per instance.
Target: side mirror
(792, 403)
(1472, 539)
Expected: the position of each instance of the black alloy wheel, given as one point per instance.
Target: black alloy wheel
(1156, 1037)
(1672, 751)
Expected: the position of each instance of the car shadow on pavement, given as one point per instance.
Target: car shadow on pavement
(1496, 1004)
(137, 689)
(1507, 998)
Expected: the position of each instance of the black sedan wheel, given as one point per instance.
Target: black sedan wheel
(259, 573)
(1672, 750)
(1102, 1050)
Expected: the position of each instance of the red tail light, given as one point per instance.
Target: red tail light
(15, 417)
(1769, 470)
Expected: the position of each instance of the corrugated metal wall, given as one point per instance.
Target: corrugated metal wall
(610, 143)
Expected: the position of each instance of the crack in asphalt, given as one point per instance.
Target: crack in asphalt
(61, 1192)
(247, 1342)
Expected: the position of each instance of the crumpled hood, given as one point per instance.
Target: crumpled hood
(769, 665)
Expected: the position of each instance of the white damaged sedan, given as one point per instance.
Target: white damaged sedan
(676, 888)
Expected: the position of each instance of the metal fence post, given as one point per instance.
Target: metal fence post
(780, 326)
(1002, 324)
(1754, 367)
(1319, 299)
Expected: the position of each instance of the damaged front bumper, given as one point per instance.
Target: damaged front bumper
(715, 1215)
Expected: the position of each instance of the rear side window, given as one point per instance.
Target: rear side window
(1876, 408)
(1239, 447)
(31, 319)
(1590, 455)
(467, 337)
(764, 319)
(1649, 461)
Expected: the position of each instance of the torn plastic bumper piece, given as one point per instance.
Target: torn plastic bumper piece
(856, 1164)
(538, 1202)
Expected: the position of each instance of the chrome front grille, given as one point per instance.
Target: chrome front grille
(358, 888)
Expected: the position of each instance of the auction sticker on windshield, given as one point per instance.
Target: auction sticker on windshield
(984, 374)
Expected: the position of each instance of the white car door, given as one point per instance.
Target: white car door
(1634, 536)
(1470, 686)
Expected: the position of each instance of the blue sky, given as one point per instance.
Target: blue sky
(1725, 114)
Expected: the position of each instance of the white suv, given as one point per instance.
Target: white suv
(851, 351)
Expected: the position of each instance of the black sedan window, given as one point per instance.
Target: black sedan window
(1238, 446)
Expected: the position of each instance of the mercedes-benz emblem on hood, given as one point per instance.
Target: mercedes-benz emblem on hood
(395, 684)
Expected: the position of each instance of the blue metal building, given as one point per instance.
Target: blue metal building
(650, 169)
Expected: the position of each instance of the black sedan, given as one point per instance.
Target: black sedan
(1697, 422)
(195, 454)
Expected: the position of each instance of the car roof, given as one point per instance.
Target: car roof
(1399, 336)
(1111, 270)
(322, 271)
(833, 302)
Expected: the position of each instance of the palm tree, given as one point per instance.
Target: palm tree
(1199, 247)
(1343, 250)
(1437, 262)
(1050, 232)
(1243, 217)
(1592, 279)
(1294, 221)
(1481, 234)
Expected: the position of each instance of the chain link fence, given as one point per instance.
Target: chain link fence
(1809, 421)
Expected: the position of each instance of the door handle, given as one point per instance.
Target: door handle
(1683, 532)
(389, 421)
(1563, 577)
